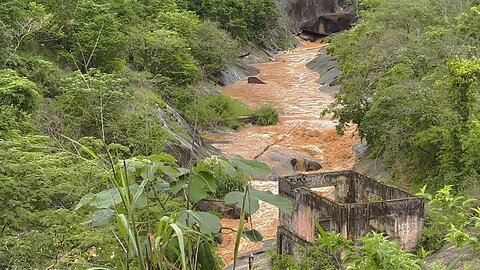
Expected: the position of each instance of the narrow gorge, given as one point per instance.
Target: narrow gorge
(301, 137)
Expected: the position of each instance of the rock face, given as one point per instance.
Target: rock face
(322, 17)
(186, 146)
(241, 68)
(226, 210)
(327, 67)
(235, 73)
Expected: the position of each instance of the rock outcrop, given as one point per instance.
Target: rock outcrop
(322, 17)
(327, 67)
(241, 69)
(186, 145)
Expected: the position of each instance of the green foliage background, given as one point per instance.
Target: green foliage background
(100, 72)
(410, 80)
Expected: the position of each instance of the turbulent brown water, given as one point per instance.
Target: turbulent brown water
(291, 88)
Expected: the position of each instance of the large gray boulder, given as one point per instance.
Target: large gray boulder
(322, 17)
(326, 24)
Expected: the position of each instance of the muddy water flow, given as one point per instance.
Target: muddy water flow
(291, 88)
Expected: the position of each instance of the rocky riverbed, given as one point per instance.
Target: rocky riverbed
(301, 134)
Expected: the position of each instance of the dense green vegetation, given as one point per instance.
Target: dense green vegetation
(410, 81)
(85, 84)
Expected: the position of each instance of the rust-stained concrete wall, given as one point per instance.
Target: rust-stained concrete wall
(362, 205)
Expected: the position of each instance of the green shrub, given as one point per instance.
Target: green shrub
(163, 53)
(266, 116)
(18, 91)
(38, 189)
(44, 73)
(377, 252)
(13, 120)
(371, 252)
(217, 110)
(243, 19)
(284, 262)
(433, 234)
(141, 130)
(213, 48)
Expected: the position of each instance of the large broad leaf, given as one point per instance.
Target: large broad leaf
(252, 200)
(252, 235)
(162, 186)
(207, 222)
(283, 204)
(85, 200)
(254, 168)
(198, 186)
(169, 171)
(148, 171)
(206, 258)
(197, 189)
(175, 187)
(107, 198)
(140, 199)
(102, 217)
(251, 203)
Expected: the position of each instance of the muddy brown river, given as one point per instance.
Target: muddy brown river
(291, 88)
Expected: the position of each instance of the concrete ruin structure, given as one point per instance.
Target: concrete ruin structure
(348, 203)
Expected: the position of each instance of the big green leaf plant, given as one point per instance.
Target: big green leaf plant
(183, 237)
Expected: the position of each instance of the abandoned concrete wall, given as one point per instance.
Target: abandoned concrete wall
(365, 186)
(360, 205)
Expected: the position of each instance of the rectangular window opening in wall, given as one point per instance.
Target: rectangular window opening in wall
(325, 223)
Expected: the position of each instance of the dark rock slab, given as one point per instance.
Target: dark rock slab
(255, 80)
(321, 63)
(311, 164)
(219, 206)
(237, 72)
(310, 36)
(329, 77)
(186, 144)
(368, 164)
(332, 90)
(301, 11)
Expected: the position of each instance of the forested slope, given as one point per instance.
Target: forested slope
(115, 78)
(411, 82)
